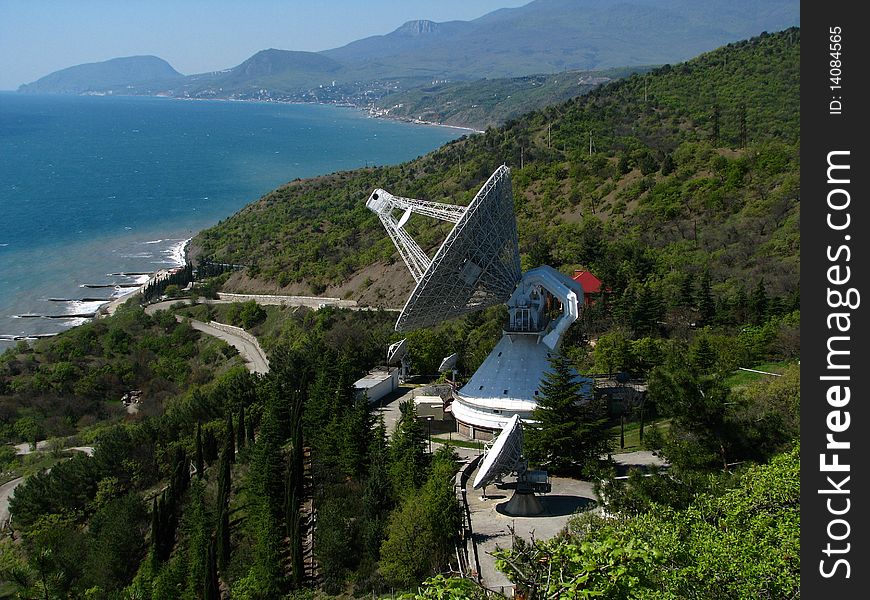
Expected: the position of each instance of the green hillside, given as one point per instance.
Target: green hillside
(117, 73)
(491, 102)
(692, 167)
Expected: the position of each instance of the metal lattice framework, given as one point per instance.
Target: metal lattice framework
(477, 266)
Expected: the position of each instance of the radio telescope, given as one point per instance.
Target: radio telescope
(506, 457)
(477, 266)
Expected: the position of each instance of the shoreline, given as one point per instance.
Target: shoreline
(372, 111)
(176, 252)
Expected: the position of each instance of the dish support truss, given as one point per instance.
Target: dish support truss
(477, 266)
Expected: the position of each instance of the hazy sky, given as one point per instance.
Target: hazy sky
(195, 36)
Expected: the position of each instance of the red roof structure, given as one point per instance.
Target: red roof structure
(591, 285)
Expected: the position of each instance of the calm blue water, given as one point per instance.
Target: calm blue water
(95, 185)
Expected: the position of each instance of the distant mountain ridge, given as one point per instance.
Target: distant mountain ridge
(101, 76)
(544, 36)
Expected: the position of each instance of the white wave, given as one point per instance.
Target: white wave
(154, 242)
(138, 255)
(78, 307)
(176, 252)
(76, 322)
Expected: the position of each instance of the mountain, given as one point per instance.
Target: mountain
(275, 70)
(544, 36)
(647, 180)
(101, 76)
(547, 36)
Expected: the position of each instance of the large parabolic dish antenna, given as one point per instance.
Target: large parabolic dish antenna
(477, 266)
(504, 456)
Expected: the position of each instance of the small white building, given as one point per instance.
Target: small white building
(429, 407)
(378, 383)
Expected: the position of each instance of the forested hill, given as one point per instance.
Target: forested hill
(650, 179)
(114, 73)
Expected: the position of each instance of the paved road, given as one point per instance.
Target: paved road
(6, 491)
(254, 357)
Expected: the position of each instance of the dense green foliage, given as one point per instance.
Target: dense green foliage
(55, 387)
(694, 168)
(741, 544)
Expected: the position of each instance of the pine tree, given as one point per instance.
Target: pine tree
(758, 303)
(571, 429)
(407, 451)
(686, 290)
(706, 305)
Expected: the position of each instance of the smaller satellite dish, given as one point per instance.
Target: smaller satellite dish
(404, 218)
(448, 363)
(397, 351)
(504, 456)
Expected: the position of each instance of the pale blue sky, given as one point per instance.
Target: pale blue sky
(195, 36)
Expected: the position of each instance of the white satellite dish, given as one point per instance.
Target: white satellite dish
(504, 456)
(397, 351)
(477, 266)
(448, 363)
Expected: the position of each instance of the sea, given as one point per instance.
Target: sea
(101, 190)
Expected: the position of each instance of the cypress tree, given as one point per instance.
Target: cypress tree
(211, 589)
(249, 434)
(229, 439)
(240, 430)
(209, 446)
(155, 533)
(223, 526)
(200, 459)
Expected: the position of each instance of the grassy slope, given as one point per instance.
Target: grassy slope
(622, 211)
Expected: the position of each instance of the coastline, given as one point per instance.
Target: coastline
(177, 252)
(56, 302)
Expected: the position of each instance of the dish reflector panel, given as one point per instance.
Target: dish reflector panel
(504, 456)
(448, 363)
(397, 351)
(477, 266)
